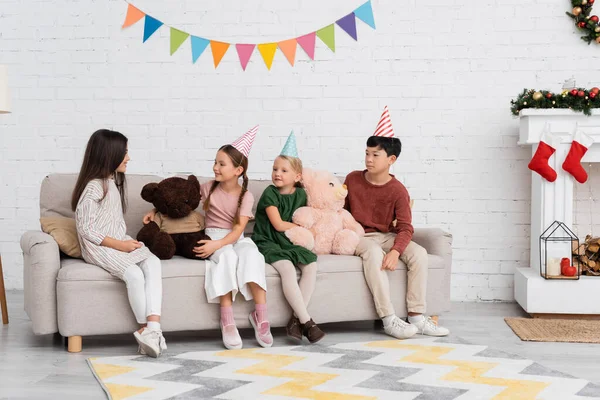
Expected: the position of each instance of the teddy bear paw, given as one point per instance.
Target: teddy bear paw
(301, 237)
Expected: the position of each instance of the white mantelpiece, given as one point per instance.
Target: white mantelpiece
(553, 201)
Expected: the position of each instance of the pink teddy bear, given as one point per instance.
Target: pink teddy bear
(325, 227)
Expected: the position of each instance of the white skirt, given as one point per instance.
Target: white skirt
(232, 267)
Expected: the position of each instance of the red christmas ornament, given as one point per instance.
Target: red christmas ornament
(595, 90)
(593, 95)
(548, 95)
(581, 24)
(590, 2)
(594, 18)
(581, 93)
(573, 92)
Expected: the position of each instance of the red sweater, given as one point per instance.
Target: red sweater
(376, 207)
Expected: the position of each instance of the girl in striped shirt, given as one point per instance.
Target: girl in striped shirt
(99, 202)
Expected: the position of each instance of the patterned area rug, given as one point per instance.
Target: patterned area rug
(423, 369)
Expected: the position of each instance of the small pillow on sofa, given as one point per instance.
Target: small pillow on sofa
(63, 230)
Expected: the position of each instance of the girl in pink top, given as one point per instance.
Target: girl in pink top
(234, 262)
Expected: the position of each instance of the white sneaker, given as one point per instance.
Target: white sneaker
(149, 342)
(163, 345)
(399, 329)
(427, 326)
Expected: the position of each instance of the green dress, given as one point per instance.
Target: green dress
(275, 245)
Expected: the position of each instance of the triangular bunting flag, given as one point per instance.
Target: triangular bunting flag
(218, 51)
(365, 14)
(244, 53)
(267, 51)
(288, 48)
(150, 26)
(348, 24)
(327, 35)
(198, 46)
(307, 42)
(133, 16)
(177, 39)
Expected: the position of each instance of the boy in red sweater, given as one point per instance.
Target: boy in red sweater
(375, 199)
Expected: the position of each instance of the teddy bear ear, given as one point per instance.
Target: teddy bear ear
(193, 180)
(148, 192)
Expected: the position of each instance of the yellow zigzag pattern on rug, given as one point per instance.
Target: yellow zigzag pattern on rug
(302, 382)
(467, 371)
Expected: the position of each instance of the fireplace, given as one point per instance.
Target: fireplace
(553, 201)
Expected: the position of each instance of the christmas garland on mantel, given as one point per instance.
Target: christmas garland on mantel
(583, 20)
(581, 100)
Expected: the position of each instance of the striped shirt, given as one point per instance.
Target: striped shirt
(97, 218)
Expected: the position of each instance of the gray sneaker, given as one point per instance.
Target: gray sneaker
(149, 342)
(399, 329)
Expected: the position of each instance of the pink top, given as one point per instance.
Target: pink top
(223, 206)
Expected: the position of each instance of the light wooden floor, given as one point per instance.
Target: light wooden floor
(39, 367)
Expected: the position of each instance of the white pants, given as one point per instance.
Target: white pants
(232, 267)
(144, 288)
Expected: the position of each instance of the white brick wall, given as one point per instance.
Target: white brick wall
(446, 68)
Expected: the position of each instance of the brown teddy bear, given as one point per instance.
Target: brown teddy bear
(176, 228)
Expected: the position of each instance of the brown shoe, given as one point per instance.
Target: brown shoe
(294, 328)
(312, 332)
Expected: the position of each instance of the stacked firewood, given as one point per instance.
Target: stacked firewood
(587, 256)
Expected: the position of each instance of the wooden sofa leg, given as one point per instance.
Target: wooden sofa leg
(74, 344)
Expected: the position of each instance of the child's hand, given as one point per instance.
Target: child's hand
(128, 246)
(149, 217)
(390, 261)
(206, 248)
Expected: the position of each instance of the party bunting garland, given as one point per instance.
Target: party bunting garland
(245, 50)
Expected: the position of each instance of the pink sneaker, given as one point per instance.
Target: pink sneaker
(262, 330)
(231, 337)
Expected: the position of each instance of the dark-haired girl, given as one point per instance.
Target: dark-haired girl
(99, 203)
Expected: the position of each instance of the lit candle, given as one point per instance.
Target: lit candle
(553, 266)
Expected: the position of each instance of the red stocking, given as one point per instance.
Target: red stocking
(572, 164)
(539, 162)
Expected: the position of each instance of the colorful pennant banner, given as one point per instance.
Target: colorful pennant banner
(245, 50)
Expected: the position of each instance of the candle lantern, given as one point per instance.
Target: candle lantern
(558, 243)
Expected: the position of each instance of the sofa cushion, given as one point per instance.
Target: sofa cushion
(330, 263)
(56, 190)
(64, 232)
(55, 198)
(79, 270)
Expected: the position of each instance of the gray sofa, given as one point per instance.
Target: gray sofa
(76, 299)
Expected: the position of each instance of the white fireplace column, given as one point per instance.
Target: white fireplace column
(553, 201)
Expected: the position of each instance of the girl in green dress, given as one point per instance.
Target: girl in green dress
(273, 217)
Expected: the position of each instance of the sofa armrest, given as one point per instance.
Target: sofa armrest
(434, 240)
(439, 243)
(41, 262)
